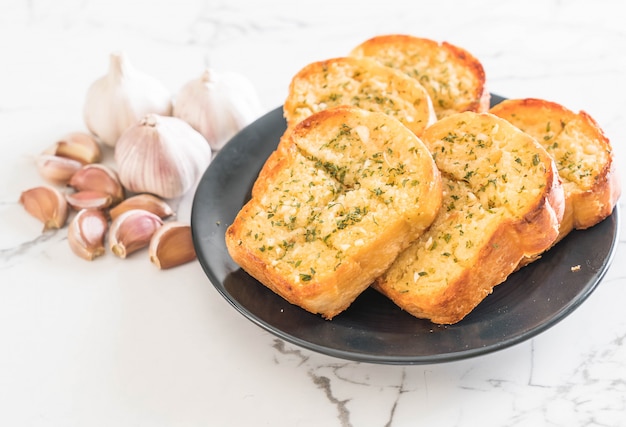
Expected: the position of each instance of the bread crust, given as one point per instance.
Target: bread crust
(453, 77)
(361, 82)
(344, 193)
(502, 202)
(581, 151)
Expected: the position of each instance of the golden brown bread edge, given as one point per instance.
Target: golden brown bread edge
(454, 78)
(350, 256)
(582, 153)
(473, 250)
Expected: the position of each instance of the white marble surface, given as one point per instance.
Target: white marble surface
(114, 343)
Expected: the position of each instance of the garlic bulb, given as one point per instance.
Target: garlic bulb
(161, 155)
(218, 105)
(120, 98)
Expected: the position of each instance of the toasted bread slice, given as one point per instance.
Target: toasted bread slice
(344, 193)
(581, 151)
(453, 77)
(362, 83)
(502, 201)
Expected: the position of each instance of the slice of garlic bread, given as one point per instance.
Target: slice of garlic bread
(453, 77)
(346, 191)
(581, 151)
(502, 202)
(362, 83)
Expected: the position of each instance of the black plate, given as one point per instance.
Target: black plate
(373, 329)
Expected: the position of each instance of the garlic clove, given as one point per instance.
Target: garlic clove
(132, 230)
(89, 199)
(56, 169)
(47, 204)
(98, 177)
(143, 201)
(86, 233)
(78, 146)
(218, 105)
(172, 245)
(117, 100)
(161, 155)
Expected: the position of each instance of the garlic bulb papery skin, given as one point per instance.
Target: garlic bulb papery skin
(161, 155)
(119, 99)
(218, 105)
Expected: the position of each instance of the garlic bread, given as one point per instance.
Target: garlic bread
(360, 82)
(453, 77)
(344, 193)
(502, 202)
(581, 151)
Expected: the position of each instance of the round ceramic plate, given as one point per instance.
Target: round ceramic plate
(373, 329)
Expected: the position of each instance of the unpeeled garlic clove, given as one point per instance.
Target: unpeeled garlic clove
(172, 245)
(47, 204)
(144, 201)
(89, 199)
(86, 233)
(132, 230)
(98, 177)
(78, 146)
(56, 169)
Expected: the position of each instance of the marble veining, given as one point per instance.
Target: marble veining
(120, 343)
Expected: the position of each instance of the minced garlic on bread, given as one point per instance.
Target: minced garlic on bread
(361, 82)
(581, 151)
(453, 77)
(502, 202)
(346, 191)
